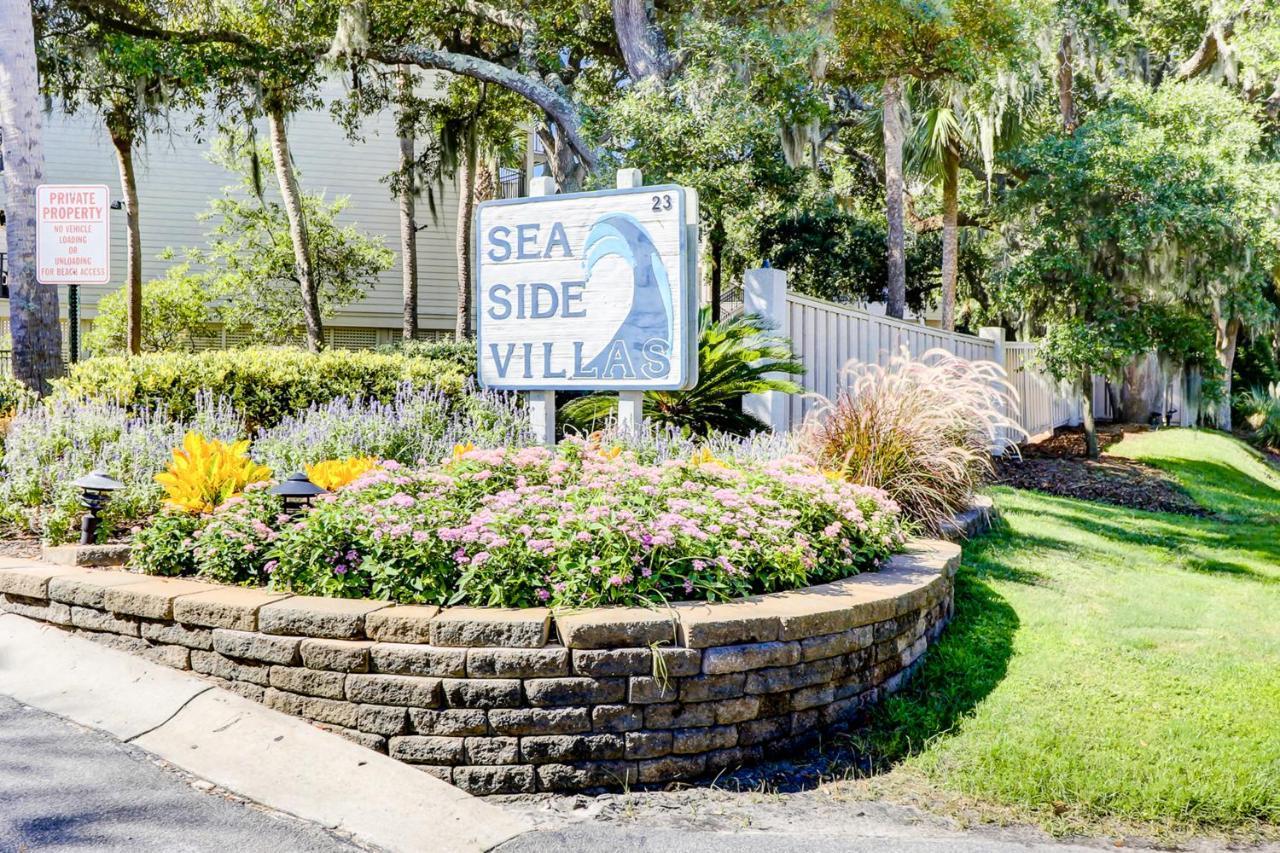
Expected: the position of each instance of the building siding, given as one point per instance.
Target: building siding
(176, 182)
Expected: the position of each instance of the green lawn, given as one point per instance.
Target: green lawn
(1108, 666)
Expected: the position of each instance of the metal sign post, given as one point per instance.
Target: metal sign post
(73, 322)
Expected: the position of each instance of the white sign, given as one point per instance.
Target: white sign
(73, 234)
(588, 291)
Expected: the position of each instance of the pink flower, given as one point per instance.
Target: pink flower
(270, 566)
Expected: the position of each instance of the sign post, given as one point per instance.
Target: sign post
(588, 291)
(542, 404)
(630, 403)
(73, 243)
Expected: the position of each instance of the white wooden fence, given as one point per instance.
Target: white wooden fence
(827, 336)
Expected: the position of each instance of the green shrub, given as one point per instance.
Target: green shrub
(12, 395)
(1261, 409)
(175, 312)
(460, 353)
(736, 356)
(265, 384)
(167, 546)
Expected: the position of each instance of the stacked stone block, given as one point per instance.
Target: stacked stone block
(508, 701)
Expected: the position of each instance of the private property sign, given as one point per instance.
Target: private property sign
(73, 234)
(588, 291)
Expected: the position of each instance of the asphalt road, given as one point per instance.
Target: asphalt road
(66, 788)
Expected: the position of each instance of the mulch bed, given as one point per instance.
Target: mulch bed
(21, 548)
(1058, 466)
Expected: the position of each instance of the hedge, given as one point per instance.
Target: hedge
(12, 394)
(264, 383)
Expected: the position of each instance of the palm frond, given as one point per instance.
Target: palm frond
(737, 356)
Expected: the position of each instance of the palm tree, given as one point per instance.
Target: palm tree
(736, 356)
(956, 120)
(33, 308)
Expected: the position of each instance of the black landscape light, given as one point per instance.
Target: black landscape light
(298, 492)
(95, 492)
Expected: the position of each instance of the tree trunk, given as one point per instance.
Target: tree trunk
(122, 139)
(641, 41)
(291, 195)
(896, 286)
(715, 242)
(1086, 414)
(408, 217)
(33, 308)
(950, 234)
(567, 170)
(1226, 339)
(466, 205)
(1066, 86)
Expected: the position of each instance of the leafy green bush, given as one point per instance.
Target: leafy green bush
(735, 357)
(13, 394)
(1261, 409)
(167, 545)
(175, 311)
(265, 384)
(460, 353)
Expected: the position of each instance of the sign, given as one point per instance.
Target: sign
(73, 234)
(588, 291)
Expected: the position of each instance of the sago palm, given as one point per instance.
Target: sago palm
(736, 356)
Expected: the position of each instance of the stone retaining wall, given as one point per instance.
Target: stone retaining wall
(523, 700)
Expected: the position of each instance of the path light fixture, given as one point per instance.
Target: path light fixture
(297, 491)
(95, 492)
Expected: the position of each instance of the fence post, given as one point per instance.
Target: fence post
(764, 292)
(996, 335)
(542, 404)
(630, 403)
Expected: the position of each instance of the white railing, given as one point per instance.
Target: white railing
(827, 336)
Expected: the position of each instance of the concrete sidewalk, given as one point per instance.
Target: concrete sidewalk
(279, 761)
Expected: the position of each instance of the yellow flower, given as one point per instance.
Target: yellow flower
(461, 450)
(333, 474)
(207, 472)
(704, 456)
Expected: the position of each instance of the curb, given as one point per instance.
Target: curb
(276, 760)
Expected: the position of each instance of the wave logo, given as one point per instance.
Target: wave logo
(641, 345)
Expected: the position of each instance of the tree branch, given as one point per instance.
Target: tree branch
(1206, 54)
(922, 225)
(555, 105)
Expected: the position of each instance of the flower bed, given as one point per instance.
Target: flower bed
(580, 526)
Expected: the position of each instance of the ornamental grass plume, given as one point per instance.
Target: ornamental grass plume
(922, 429)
